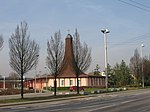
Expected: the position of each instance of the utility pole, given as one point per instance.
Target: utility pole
(35, 76)
(35, 80)
(4, 83)
(46, 78)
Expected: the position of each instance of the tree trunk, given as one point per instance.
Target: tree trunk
(55, 86)
(22, 86)
(77, 84)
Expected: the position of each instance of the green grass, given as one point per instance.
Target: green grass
(59, 89)
(14, 100)
(92, 89)
(36, 98)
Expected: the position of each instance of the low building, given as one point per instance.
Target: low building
(9, 83)
(67, 73)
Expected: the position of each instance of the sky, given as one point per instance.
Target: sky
(127, 20)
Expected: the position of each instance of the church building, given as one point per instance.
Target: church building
(67, 76)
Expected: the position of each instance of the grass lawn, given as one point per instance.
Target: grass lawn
(36, 98)
(93, 89)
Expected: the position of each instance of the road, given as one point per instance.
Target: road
(127, 101)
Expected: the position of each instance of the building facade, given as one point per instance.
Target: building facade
(67, 73)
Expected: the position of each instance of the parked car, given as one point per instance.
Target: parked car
(74, 88)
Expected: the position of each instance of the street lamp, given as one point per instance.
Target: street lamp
(46, 77)
(35, 75)
(142, 65)
(105, 31)
(4, 82)
(35, 80)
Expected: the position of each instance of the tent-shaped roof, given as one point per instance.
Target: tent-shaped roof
(68, 68)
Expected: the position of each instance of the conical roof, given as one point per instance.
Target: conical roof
(68, 67)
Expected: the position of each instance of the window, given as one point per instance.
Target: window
(62, 82)
(71, 82)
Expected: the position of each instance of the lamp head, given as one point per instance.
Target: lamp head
(105, 31)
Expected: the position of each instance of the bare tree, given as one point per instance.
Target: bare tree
(1, 41)
(135, 67)
(82, 56)
(23, 52)
(55, 51)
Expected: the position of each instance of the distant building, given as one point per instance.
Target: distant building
(9, 83)
(67, 76)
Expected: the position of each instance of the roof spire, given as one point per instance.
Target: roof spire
(69, 67)
(69, 36)
(68, 31)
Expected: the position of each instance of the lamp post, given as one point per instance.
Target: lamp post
(4, 83)
(46, 77)
(105, 31)
(35, 75)
(142, 65)
(35, 80)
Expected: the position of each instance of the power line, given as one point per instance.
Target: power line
(140, 37)
(139, 4)
(137, 38)
(147, 10)
(131, 41)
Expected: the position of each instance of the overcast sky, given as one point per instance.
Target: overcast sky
(127, 20)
